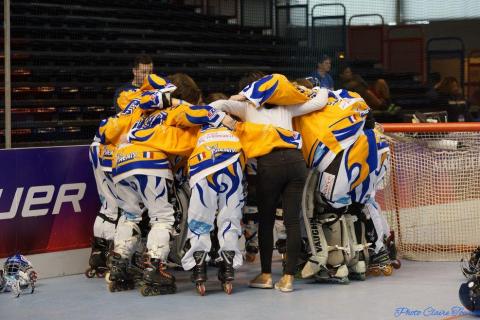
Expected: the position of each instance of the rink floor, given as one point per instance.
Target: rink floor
(419, 286)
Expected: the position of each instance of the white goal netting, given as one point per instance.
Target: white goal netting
(432, 191)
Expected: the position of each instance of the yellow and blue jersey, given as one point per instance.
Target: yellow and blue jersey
(106, 156)
(111, 133)
(259, 139)
(148, 95)
(136, 115)
(332, 129)
(217, 147)
(186, 115)
(158, 133)
(367, 159)
(361, 166)
(149, 144)
(275, 89)
(132, 159)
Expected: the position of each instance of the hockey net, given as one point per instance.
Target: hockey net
(431, 195)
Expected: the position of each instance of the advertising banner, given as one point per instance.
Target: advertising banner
(48, 200)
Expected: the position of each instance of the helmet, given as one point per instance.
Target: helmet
(18, 274)
(469, 295)
(471, 267)
(14, 264)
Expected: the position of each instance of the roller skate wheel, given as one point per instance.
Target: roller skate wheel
(357, 276)
(227, 287)
(249, 257)
(112, 287)
(100, 274)
(90, 273)
(145, 291)
(374, 272)
(387, 271)
(172, 289)
(201, 289)
(396, 264)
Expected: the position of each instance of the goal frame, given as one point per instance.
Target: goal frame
(395, 128)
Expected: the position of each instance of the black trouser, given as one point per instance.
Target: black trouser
(281, 173)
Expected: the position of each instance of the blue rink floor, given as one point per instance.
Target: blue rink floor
(421, 287)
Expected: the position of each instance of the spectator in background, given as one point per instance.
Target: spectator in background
(434, 80)
(142, 66)
(321, 77)
(377, 97)
(381, 90)
(450, 99)
(474, 102)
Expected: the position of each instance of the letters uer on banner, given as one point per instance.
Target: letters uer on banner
(48, 200)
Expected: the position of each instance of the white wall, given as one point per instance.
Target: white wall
(56, 264)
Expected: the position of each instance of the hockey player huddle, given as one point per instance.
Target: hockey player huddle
(162, 154)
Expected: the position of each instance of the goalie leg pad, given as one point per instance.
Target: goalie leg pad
(358, 247)
(337, 238)
(319, 247)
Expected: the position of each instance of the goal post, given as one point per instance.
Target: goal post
(431, 194)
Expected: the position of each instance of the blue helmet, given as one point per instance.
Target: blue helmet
(14, 264)
(471, 267)
(469, 295)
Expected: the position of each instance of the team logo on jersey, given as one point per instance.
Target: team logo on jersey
(124, 158)
(107, 152)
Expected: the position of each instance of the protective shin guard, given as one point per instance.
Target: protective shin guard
(158, 241)
(319, 247)
(358, 249)
(127, 238)
(316, 238)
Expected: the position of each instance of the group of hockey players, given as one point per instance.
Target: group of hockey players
(172, 177)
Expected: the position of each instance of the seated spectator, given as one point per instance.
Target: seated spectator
(474, 102)
(450, 99)
(377, 98)
(381, 90)
(321, 76)
(434, 80)
(142, 66)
